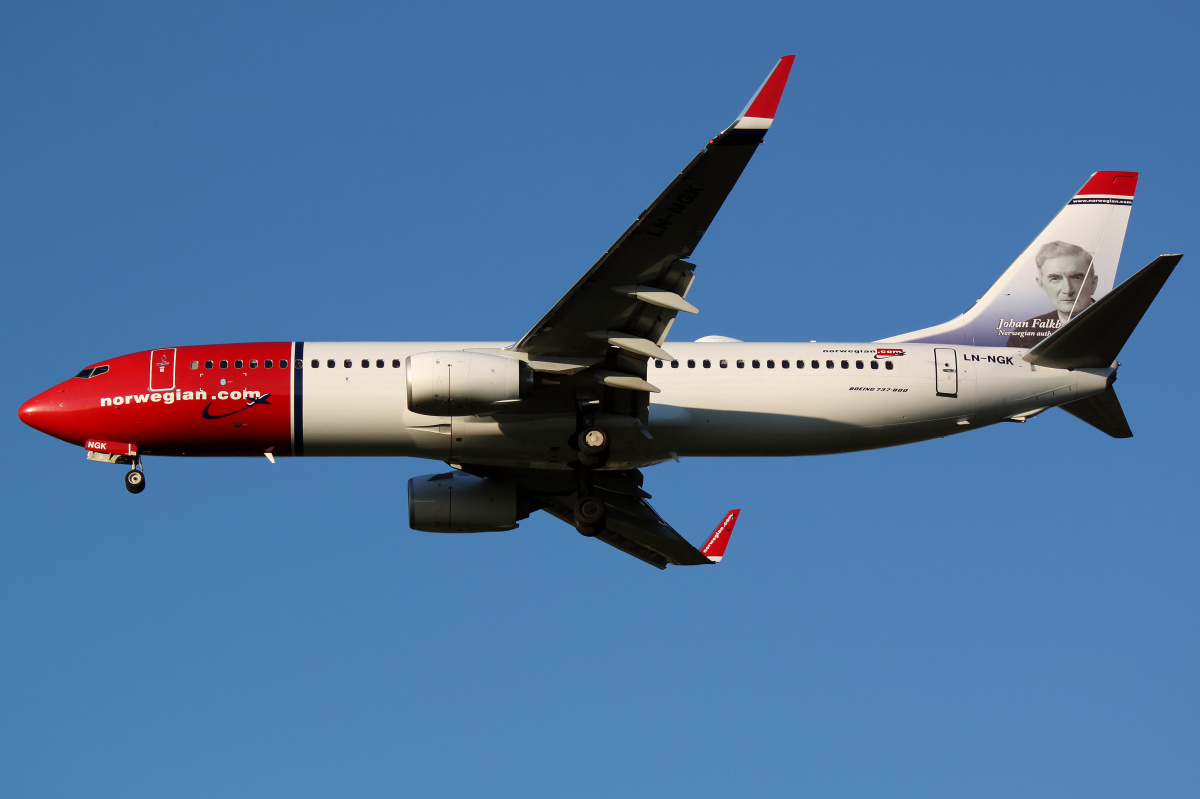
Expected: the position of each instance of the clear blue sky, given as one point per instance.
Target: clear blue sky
(1007, 613)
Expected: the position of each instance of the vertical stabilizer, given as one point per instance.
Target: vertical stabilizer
(1070, 265)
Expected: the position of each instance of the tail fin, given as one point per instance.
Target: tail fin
(1071, 264)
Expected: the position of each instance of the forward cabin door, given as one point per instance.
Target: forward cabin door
(945, 364)
(162, 370)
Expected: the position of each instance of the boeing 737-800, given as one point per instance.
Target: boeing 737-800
(565, 419)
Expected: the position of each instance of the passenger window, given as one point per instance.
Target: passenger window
(224, 364)
(379, 363)
(874, 364)
(784, 364)
(253, 363)
(299, 363)
(724, 364)
(657, 364)
(349, 363)
(208, 364)
(829, 364)
(845, 364)
(395, 363)
(195, 364)
(707, 364)
(331, 363)
(741, 364)
(816, 364)
(315, 363)
(754, 364)
(691, 364)
(674, 364)
(366, 363)
(267, 364)
(770, 364)
(858, 365)
(238, 364)
(887, 365)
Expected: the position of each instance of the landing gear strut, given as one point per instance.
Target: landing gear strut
(593, 444)
(135, 478)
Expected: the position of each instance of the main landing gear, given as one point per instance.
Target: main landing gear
(135, 478)
(590, 515)
(593, 445)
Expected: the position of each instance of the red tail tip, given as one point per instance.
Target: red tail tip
(1121, 184)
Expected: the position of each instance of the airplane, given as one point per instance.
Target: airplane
(565, 419)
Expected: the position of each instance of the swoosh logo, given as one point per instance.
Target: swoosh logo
(253, 401)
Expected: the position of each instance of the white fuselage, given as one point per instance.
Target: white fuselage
(717, 399)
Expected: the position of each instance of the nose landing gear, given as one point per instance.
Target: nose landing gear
(135, 478)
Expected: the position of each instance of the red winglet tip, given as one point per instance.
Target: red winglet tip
(1121, 184)
(714, 549)
(766, 102)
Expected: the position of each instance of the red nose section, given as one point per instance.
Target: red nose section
(34, 413)
(49, 413)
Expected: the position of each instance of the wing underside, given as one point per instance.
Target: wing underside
(633, 526)
(618, 314)
(592, 348)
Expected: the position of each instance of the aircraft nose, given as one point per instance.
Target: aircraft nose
(42, 413)
(34, 412)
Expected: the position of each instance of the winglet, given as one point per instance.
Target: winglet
(714, 549)
(761, 109)
(759, 113)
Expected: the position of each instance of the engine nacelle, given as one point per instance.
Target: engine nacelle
(464, 383)
(455, 502)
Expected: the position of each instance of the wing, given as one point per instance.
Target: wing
(629, 298)
(632, 526)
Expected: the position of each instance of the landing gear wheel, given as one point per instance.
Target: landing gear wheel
(590, 515)
(593, 447)
(135, 481)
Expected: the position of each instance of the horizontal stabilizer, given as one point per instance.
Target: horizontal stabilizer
(1103, 412)
(1094, 338)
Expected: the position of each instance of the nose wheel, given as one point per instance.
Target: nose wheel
(135, 479)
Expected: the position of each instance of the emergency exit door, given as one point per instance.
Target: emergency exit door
(945, 365)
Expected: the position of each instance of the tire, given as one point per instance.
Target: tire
(593, 446)
(589, 461)
(135, 481)
(590, 513)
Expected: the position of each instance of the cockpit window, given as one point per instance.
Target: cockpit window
(92, 371)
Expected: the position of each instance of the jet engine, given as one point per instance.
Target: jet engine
(464, 383)
(455, 502)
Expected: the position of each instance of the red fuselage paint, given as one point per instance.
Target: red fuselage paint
(169, 402)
